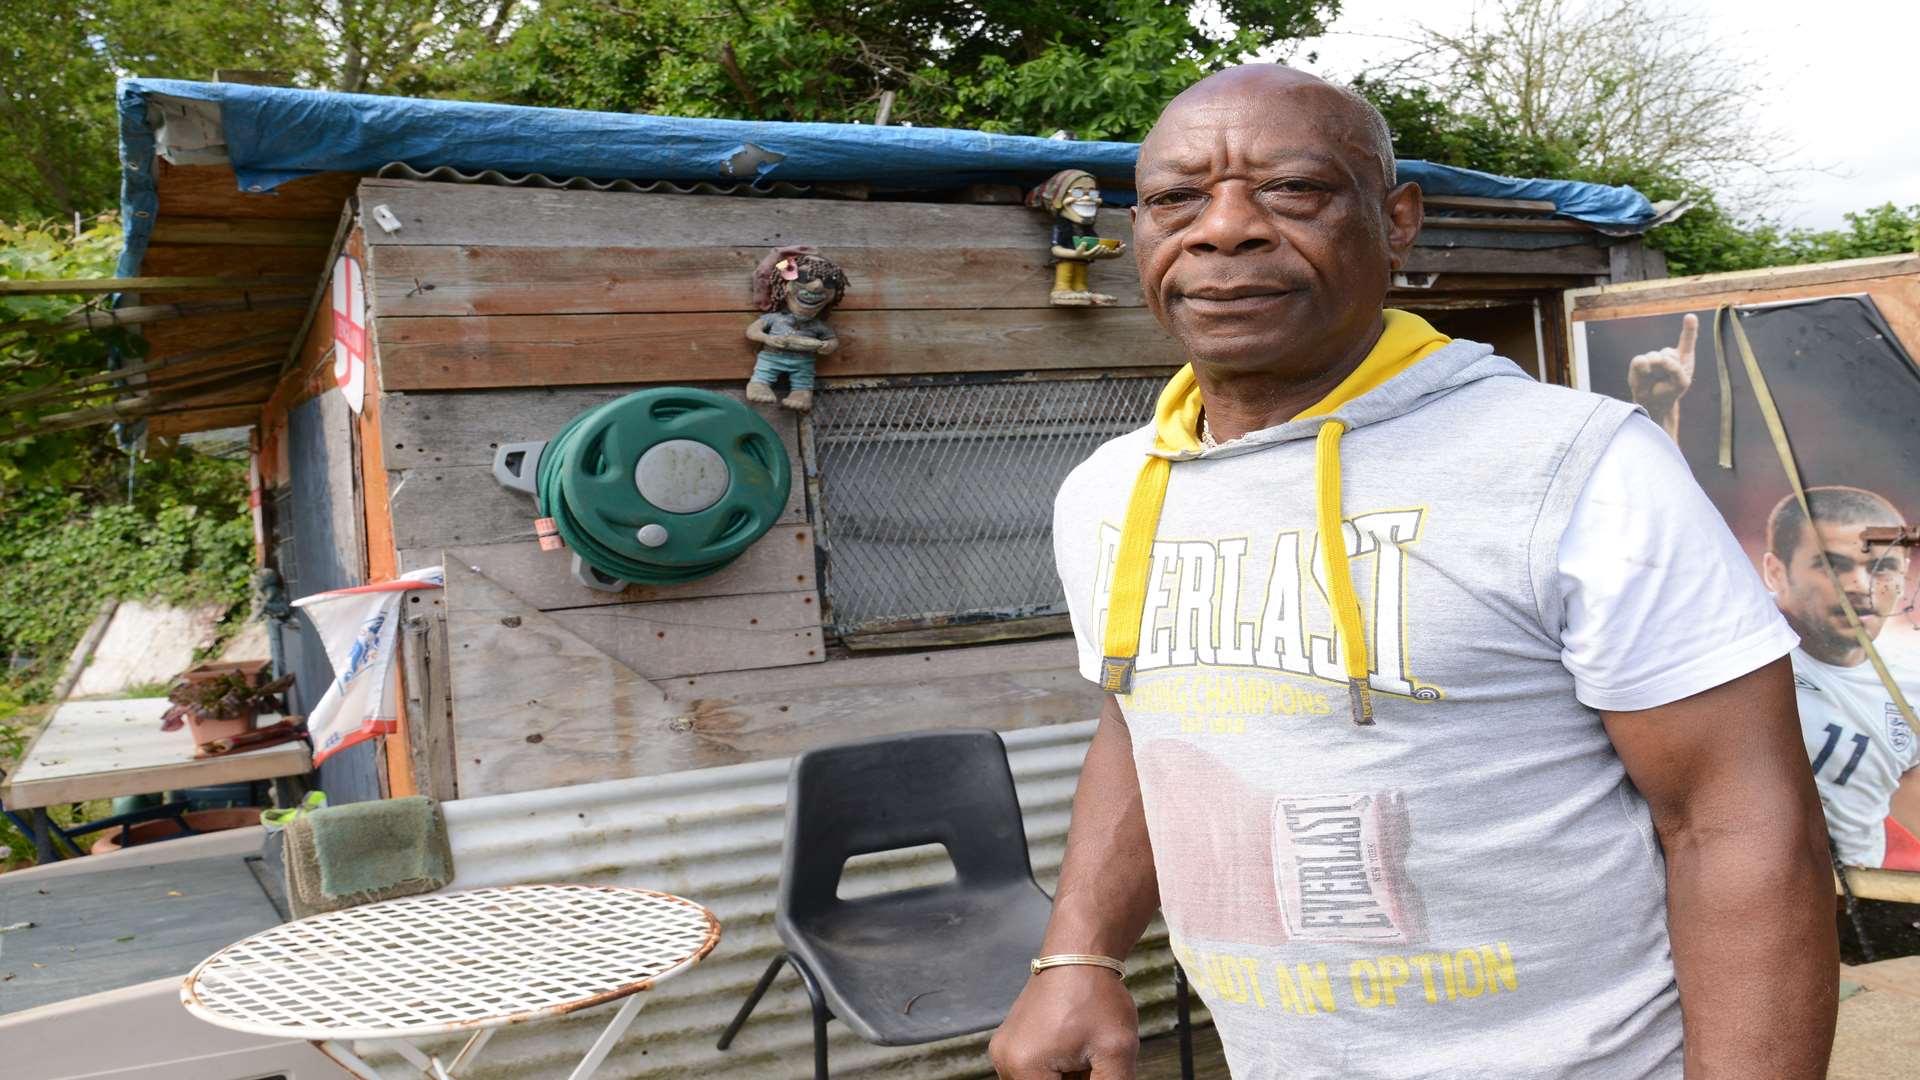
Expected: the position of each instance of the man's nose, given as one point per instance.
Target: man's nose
(1857, 580)
(1233, 223)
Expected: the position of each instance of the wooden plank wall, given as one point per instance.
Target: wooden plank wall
(502, 313)
(503, 287)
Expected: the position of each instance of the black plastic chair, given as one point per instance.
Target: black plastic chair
(920, 964)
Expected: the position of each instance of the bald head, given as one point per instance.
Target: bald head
(1269, 225)
(1341, 109)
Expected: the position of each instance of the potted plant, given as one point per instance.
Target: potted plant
(220, 701)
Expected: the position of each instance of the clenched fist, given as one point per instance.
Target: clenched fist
(1657, 380)
(1069, 1022)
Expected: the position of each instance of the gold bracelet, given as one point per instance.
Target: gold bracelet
(1041, 963)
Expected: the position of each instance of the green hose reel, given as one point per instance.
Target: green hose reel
(659, 487)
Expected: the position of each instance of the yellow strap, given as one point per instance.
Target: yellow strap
(1131, 565)
(1777, 431)
(1726, 395)
(1333, 545)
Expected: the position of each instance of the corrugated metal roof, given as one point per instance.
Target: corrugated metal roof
(446, 174)
(714, 835)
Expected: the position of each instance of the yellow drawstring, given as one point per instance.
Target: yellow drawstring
(1406, 339)
(1131, 565)
(1352, 631)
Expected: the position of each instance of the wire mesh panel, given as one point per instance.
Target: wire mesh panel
(937, 496)
(449, 961)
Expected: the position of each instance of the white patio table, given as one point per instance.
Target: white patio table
(452, 962)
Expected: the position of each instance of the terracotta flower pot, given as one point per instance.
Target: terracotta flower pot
(205, 821)
(205, 730)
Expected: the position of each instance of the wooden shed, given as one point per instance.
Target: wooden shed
(907, 584)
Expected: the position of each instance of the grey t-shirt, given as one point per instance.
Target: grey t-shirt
(1470, 887)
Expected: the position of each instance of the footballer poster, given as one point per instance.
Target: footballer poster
(1848, 396)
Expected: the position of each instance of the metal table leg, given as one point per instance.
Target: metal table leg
(42, 835)
(471, 1050)
(428, 1066)
(342, 1054)
(604, 1044)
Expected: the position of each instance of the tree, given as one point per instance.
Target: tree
(56, 114)
(1097, 68)
(1622, 87)
(1616, 93)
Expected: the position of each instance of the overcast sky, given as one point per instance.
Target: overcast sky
(1842, 75)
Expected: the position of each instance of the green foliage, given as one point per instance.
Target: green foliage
(1427, 127)
(59, 133)
(32, 360)
(1097, 68)
(185, 538)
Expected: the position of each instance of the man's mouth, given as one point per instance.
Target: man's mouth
(1232, 299)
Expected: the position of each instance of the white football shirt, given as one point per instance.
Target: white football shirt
(1860, 747)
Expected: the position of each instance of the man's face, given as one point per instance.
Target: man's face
(1873, 582)
(1263, 233)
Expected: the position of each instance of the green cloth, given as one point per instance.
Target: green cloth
(344, 856)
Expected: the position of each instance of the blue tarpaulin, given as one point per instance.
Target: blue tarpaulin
(275, 134)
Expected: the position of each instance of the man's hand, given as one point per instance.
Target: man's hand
(1068, 1021)
(1657, 380)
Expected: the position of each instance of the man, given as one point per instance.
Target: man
(1866, 760)
(1398, 795)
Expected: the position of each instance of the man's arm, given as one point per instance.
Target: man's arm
(1905, 807)
(1749, 882)
(1071, 1019)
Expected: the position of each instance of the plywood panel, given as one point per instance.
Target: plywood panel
(746, 716)
(691, 637)
(549, 350)
(1634, 294)
(215, 260)
(303, 232)
(534, 706)
(781, 561)
(462, 506)
(433, 213)
(474, 280)
(1487, 260)
(212, 191)
(1898, 299)
(206, 331)
(443, 505)
(465, 427)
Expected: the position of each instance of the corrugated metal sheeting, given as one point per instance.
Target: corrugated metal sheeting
(714, 835)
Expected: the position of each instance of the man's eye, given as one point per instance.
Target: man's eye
(1172, 198)
(1292, 187)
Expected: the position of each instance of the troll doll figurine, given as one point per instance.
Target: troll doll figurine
(796, 287)
(1073, 197)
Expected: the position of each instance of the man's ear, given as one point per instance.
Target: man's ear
(1405, 212)
(1773, 573)
(1133, 214)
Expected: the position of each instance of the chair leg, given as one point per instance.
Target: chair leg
(1185, 1020)
(821, 1014)
(746, 1009)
